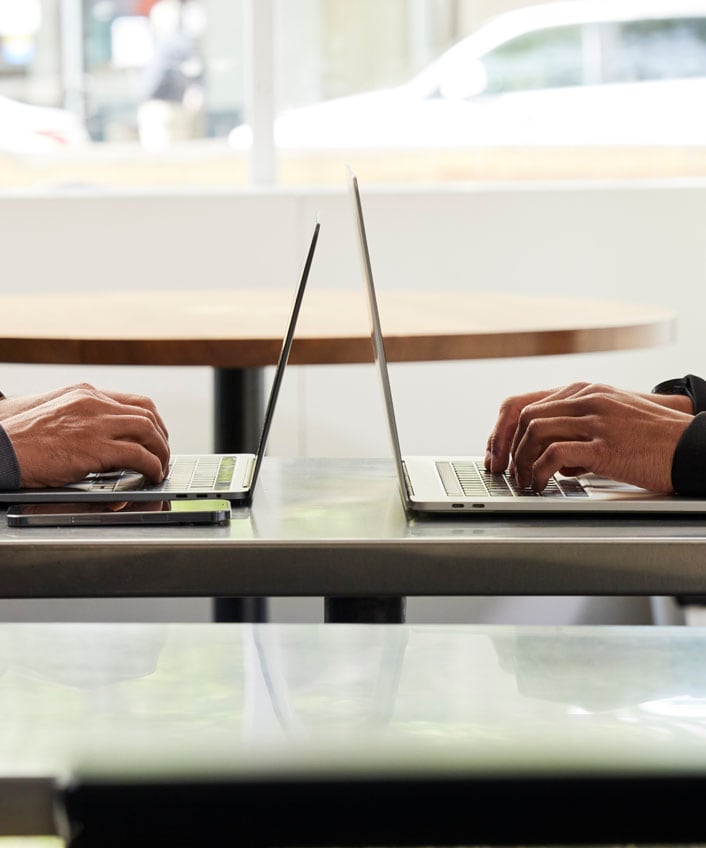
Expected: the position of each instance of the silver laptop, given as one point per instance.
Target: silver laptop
(454, 484)
(230, 476)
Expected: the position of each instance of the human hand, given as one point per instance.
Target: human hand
(60, 437)
(627, 436)
(10, 406)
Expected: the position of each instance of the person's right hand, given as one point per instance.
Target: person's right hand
(60, 437)
(500, 441)
(10, 406)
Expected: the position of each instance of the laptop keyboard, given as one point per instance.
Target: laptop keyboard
(186, 474)
(203, 474)
(475, 481)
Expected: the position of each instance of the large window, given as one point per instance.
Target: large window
(225, 92)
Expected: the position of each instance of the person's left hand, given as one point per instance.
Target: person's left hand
(612, 433)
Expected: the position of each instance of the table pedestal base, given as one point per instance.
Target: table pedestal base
(253, 610)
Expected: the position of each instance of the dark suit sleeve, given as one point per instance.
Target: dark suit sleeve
(9, 467)
(689, 463)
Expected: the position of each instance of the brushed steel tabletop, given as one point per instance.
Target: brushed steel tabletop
(328, 527)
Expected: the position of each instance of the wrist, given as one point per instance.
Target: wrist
(679, 403)
(690, 387)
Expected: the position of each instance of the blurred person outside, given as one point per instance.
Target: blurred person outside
(172, 107)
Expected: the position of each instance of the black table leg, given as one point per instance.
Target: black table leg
(380, 610)
(238, 409)
(238, 414)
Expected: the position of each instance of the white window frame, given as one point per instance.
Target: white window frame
(258, 50)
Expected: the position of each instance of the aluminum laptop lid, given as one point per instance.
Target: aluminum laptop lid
(245, 467)
(377, 337)
(420, 477)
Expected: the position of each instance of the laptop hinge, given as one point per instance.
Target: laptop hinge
(407, 481)
(247, 481)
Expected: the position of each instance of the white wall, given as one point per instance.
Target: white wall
(632, 242)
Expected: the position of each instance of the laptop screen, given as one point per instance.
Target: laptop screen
(376, 330)
(284, 356)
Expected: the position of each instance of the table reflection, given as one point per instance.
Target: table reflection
(203, 696)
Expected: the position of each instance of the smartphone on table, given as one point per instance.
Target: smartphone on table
(123, 513)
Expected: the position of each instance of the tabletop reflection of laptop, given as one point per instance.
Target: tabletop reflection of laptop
(230, 476)
(452, 484)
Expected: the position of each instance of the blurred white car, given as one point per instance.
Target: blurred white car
(571, 72)
(36, 130)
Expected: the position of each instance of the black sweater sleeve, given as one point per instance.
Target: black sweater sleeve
(9, 469)
(689, 463)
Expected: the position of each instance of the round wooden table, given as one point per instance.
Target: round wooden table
(238, 332)
(244, 328)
